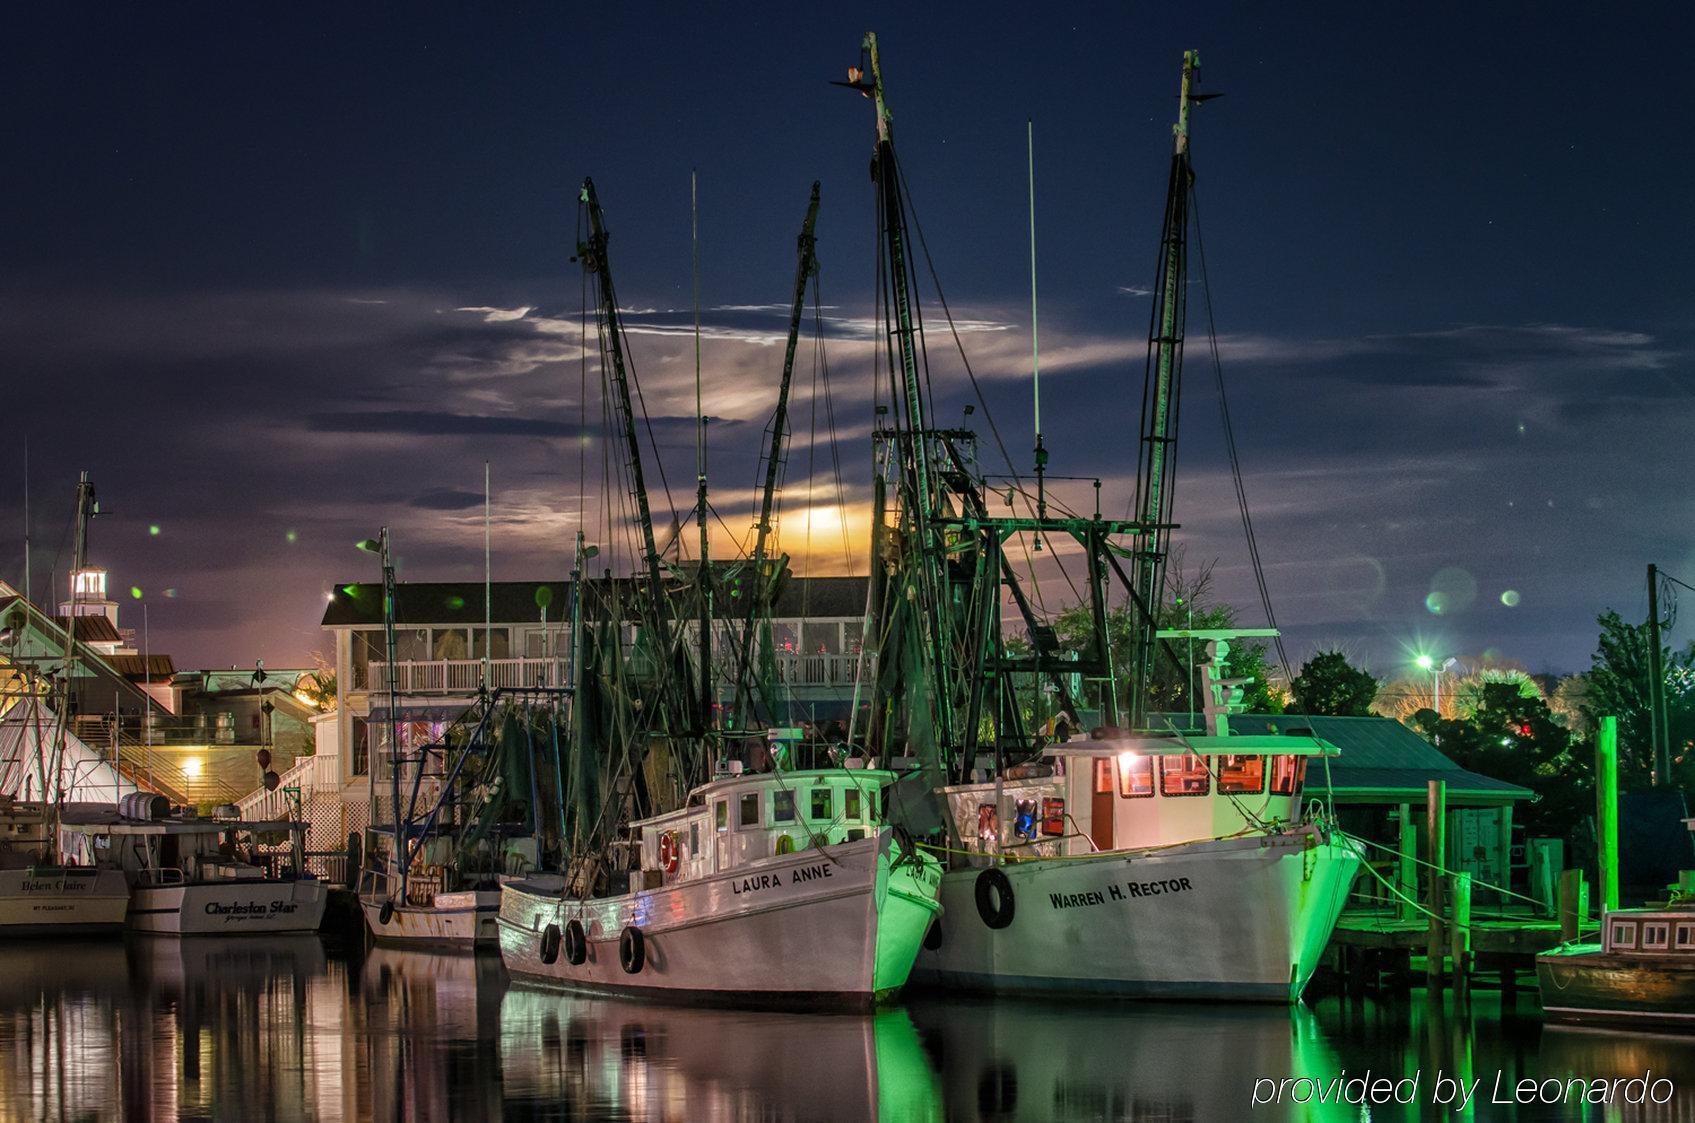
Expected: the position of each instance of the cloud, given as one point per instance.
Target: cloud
(424, 423)
(1135, 290)
(448, 499)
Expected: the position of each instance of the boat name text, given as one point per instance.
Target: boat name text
(757, 882)
(1119, 893)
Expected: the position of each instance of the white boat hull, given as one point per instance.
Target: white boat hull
(840, 926)
(464, 919)
(228, 908)
(60, 901)
(1241, 919)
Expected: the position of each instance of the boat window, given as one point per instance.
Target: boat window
(694, 839)
(988, 824)
(1135, 775)
(1288, 774)
(851, 809)
(747, 815)
(1685, 935)
(823, 804)
(1624, 935)
(782, 807)
(1241, 775)
(873, 805)
(1103, 774)
(1053, 815)
(721, 815)
(1184, 774)
(1653, 935)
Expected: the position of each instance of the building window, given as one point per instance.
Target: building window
(411, 645)
(782, 807)
(1624, 935)
(1184, 774)
(721, 815)
(823, 804)
(851, 808)
(493, 643)
(1241, 775)
(447, 643)
(361, 746)
(1135, 775)
(1685, 936)
(1288, 774)
(747, 815)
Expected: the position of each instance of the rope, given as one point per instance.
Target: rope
(1481, 884)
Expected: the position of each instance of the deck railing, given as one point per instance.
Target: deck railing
(463, 676)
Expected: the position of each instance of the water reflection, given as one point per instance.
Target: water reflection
(290, 1029)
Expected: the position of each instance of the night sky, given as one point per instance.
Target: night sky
(277, 282)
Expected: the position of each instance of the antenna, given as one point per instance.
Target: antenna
(1035, 348)
(488, 591)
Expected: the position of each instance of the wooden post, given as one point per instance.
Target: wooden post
(1435, 837)
(1406, 865)
(1573, 906)
(1606, 812)
(1459, 932)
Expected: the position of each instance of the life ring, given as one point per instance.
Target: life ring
(576, 944)
(785, 844)
(933, 935)
(632, 951)
(994, 898)
(670, 851)
(386, 913)
(550, 944)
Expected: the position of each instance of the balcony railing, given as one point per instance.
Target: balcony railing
(817, 670)
(463, 676)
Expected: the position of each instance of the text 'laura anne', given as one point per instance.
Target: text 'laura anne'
(775, 880)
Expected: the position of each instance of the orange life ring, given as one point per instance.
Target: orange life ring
(670, 852)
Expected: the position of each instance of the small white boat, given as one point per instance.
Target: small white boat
(191, 876)
(41, 897)
(426, 914)
(1151, 867)
(765, 888)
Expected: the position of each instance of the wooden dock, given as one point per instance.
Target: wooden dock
(1374, 949)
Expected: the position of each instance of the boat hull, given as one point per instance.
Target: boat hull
(465, 919)
(62, 900)
(1584, 984)
(840, 926)
(1241, 919)
(228, 908)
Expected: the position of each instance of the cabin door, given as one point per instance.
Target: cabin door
(1100, 807)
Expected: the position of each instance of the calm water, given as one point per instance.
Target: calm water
(295, 1028)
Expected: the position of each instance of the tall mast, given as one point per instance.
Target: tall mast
(703, 580)
(1035, 349)
(1160, 400)
(806, 253)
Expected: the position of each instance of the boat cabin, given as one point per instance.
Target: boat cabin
(1650, 932)
(1133, 792)
(180, 850)
(743, 818)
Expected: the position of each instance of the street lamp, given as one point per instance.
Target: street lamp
(1428, 663)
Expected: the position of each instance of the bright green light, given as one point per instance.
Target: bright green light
(153, 530)
(350, 590)
(1510, 598)
(135, 591)
(292, 535)
(1425, 662)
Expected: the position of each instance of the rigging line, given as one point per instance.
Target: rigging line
(830, 419)
(1230, 442)
(976, 388)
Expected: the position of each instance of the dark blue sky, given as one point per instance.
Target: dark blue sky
(265, 276)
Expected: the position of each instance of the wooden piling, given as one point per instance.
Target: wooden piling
(1406, 864)
(1606, 812)
(1435, 842)
(1459, 931)
(1573, 905)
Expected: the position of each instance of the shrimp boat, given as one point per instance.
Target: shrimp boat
(1152, 860)
(1642, 973)
(43, 897)
(767, 888)
(189, 876)
(689, 875)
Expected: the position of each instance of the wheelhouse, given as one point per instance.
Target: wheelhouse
(1650, 932)
(1129, 793)
(181, 851)
(741, 819)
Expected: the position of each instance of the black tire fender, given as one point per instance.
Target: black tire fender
(995, 903)
(576, 943)
(386, 913)
(632, 951)
(550, 944)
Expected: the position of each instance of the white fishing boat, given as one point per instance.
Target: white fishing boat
(765, 888)
(425, 913)
(192, 876)
(43, 897)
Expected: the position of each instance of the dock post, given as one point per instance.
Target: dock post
(1459, 932)
(1436, 848)
(1606, 811)
(1573, 906)
(1406, 864)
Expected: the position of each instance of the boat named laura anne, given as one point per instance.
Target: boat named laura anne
(193, 876)
(43, 897)
(1641, 973)
(765, 887)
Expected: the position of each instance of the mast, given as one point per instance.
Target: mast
(1160, 401)
(703, 582)
(806, 267)
(1658, 731)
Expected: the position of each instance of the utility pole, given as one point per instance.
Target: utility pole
(1659, 735)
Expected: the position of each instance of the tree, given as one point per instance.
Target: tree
(1618, 686)
(1328, 686)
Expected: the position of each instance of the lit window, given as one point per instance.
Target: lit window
(1288, 774)
(1184, 774)
(1103, 774)
(1241, 775)
(721, 815)
(988, 824)
(1053, 816)
(823, 804)
(747, 815)
(851, 808)
(782, 807)
(1135, 775)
